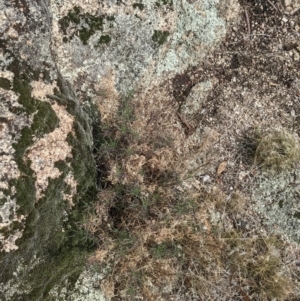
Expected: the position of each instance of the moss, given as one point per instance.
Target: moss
(4, 83)
(140, 6)
(162, 3)
(281, 203)
(61, 244)
(44, 121)
(105, 39)
(297, 215)
(160, 37)
(11, 229)
(86, 24)
(73, 16)
(110, 18)
(84, 35)
(54, 238)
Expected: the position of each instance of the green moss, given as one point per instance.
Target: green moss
(5, 83)
(84, 35)
(25, 187)
(11, 229)
(281, 203)
(73, 16)
(86, 24)
(297, 215)
(110, 18)
(105, 39)
(161, 3)
(57, 240)
(140, 6)
(44, 121)
(62, 166)
(160, 37)
(52, 232)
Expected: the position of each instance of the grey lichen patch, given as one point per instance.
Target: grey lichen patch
(195, 102)
(11, 224)
(277, 200)
(199, 26)
(87, 287)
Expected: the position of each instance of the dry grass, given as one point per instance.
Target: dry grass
(157, 252)
(277, 150)
(156, 242)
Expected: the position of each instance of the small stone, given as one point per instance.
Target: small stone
(206, 178)
(284, 19)
(297, 263)
(287, 3)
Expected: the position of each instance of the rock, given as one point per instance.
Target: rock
(277, 199)
(195, 102)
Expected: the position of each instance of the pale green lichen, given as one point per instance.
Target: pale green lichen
(277, 200)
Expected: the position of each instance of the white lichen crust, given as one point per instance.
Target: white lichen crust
(277, 200)
(10, 128)
(86, 288)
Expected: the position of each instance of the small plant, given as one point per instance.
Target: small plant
(277, 150)
(258, 265)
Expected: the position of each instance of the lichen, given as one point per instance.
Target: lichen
(277, 200)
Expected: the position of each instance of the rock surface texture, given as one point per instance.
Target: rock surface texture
(166, 92)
